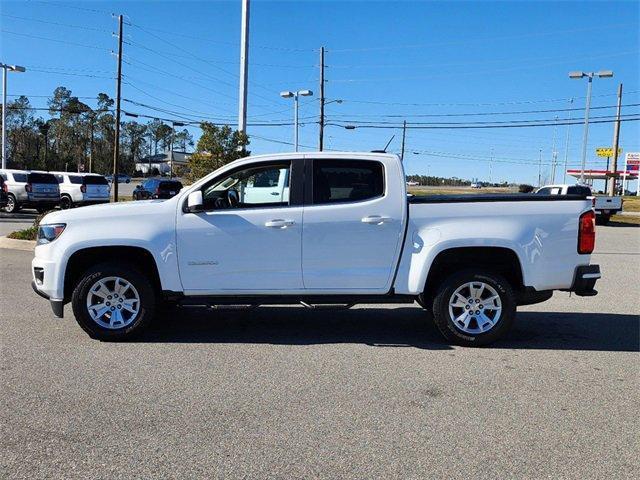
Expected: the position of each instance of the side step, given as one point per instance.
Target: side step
(243, 302)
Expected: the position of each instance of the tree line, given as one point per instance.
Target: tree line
(77, 137)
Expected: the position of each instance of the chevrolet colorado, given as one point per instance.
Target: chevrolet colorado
(317, 229)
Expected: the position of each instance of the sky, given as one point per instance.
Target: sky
(422, 62)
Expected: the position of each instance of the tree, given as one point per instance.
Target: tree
(135, 143)
(182, 139)
(22, 134)
(216, 147)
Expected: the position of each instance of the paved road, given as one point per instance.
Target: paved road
(16, 221)
(292, 393)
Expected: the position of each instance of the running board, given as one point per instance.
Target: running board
(309, 301)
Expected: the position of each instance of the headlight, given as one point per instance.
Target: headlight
(48, 233)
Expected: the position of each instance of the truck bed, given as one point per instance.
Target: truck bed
(500, 197)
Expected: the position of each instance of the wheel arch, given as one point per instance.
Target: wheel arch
(83, 259)
(501, 260)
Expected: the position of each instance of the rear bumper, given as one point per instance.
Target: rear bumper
(584, 280)
(56, 305)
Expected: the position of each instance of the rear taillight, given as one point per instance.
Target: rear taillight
(83, 189)
(5, 189)
(587, 232)
(593, 201)
(157, 190)
(27, 187)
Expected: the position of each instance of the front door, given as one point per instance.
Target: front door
(353, 226)
(242, 242)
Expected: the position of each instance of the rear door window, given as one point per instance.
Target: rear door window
(95, 180)
(578, 190)
(42, 178)
(338, 181)
(20, 177)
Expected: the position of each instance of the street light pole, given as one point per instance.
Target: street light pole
(5, 68)
(585, 137)
(295, 95)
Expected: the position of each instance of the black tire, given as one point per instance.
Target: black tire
(66, 202)
(445, 323)
(144, 287)
(602, 219)
(12, 204)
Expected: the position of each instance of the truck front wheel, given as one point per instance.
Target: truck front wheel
(113, 302)
(474, 308)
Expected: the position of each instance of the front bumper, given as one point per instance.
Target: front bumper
(585, 279)
(56, 305)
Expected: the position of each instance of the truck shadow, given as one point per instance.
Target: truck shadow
(388, 327)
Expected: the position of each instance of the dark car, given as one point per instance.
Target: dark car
(157, 188)
(122, 178)
(4, 190)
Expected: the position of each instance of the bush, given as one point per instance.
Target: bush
(524, 188)
(30, 233)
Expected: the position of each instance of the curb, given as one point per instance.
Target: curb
(13, 244)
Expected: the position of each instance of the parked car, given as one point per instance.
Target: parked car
(325, 228)
(4, 190)
(604, 205)
(122, 178)
(77, 189)
(156, 188)
(30, 189)
(476, 185)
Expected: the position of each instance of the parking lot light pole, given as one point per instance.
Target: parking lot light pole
(5, 68)
(295, 95)
(589, 76)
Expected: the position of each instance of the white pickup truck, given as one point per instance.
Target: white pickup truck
(326, 229)
(603, 205)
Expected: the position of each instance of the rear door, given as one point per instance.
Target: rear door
(354, 219)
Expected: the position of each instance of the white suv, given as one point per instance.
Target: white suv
(30, 189)
(82, 189)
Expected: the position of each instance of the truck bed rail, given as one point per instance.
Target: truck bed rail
(504, 197)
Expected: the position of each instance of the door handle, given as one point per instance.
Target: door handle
(275, 193)
(375, 220)
(279, 223)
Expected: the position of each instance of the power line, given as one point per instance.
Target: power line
(58, 24)
(465, 114)
(485, 104)
(467, 126)
(477, 40)
(54, 40)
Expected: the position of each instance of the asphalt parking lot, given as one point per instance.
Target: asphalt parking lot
(291, 393)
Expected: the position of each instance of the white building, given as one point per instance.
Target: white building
(162, 162)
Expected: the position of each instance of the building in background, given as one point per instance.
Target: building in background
(160, 164)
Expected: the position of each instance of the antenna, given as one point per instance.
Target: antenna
(384, 150)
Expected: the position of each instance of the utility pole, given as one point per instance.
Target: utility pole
(244, 68)
(566, 144)
(616, 140)
(116, 146)
(540, 169)
(404, 134)
(491, 165)
(321, 132)
(554, 153)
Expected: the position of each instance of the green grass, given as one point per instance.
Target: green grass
(30, 233)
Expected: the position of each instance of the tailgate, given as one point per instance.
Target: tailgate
(97, 191)
(44, 191)
(608, 203)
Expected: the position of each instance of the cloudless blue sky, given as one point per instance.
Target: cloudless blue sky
(385, 60)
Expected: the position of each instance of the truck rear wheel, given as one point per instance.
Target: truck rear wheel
(113, 302)
(602, 219)
(474, 308)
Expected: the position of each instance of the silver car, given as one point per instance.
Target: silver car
(30, 189)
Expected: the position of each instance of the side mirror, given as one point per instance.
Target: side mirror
(195, 203)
